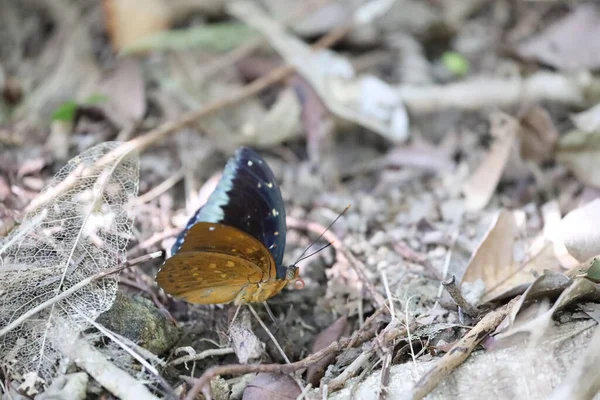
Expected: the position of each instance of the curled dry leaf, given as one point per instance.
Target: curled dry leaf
(272, 386)
(366, 100)
(480, 187)
(579, 288)
(570, 43)
(246, 345)
(538, 135)
(128, 20)
(315, 372)
(493, 262)
(580, 152)
(580, 233)
(588, 120)
(126, 93)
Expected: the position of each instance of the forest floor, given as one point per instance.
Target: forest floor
(462, 133)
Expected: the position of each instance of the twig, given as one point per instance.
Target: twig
(160, 188)
(75, 288)
(202, 355)
(480, 93)
(115, 380)
(202, 383)
(458, 298)
(351, 370)
(256, 43)
(384, 386)
(268, 332)
(461, 351)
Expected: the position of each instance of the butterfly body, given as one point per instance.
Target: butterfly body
(232, 248)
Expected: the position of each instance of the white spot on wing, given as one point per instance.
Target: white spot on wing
(250, 163)
(270, 185)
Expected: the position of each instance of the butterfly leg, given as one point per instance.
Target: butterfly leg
(271, 314)
(235, 315)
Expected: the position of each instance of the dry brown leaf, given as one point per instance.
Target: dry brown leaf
(550, 284)
(580, 233)
(571, 43)
(493, 262)
(538, 327)
(538, 135)
(325, 338)
(480, 187)
(128, 20)
(588, 120)
(126, 92)
(580, 152)
(272, 386)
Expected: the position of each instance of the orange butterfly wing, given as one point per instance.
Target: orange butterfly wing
(216, 264)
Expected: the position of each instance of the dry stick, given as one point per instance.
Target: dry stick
(161, 188)
(342, 253)
(141, 143)
(202, 355)
(458, 298)
(201, 383)
(461, 351)
(254, 44)
(75, 288)
(385, 376)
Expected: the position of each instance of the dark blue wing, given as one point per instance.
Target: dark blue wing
(248, 198)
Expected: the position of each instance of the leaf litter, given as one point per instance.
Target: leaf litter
(490, 187)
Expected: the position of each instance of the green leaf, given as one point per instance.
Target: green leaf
(220, 37)
(456, 63)
(96, 99)
(66, 112)
(593, 273)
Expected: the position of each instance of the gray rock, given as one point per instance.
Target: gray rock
(140, 321)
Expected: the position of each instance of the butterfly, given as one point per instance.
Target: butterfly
(232, 248)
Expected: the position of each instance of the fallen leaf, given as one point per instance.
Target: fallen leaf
(480, 187)
(550, 284)
(365, 100)
(126, 92)
(246, 345)
(128, 21)
(272, 387)
(552, 218)
(494, 263)
(579, 151)
(538, 327)
(538, 135)
(580, 233)
(220, 37)
(316, 371)
(588, 120)
(570, 43)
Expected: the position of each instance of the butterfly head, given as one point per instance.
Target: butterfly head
(291, 275)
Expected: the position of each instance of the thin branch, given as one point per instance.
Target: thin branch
(201, 355)
(141, 143)
(458, 298)
(461, 351)
(75, 288)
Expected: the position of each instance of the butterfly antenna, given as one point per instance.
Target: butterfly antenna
(314, 252)
(320, 236)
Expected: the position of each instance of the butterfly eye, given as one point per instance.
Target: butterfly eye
(299, 284)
